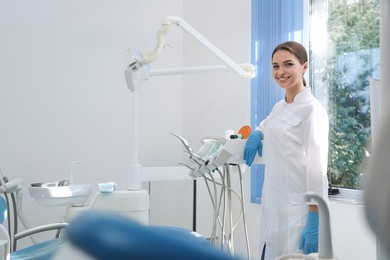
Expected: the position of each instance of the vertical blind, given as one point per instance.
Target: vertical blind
(273, 22)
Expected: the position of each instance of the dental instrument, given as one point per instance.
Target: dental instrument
(14, 189)
(243, 133)
(213, 163)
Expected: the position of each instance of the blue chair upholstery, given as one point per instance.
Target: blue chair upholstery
(106, 235)
(41, 251)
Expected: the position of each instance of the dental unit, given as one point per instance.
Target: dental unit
(137, 71)
(214, 162)
(134, 201)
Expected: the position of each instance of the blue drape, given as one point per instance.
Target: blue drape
(273, 22)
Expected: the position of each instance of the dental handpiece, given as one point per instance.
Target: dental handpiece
(184, 142)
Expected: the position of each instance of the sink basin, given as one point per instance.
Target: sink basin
(48, 195)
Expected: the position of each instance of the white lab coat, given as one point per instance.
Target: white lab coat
(295, 154)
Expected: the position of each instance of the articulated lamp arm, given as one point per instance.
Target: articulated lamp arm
(135, 77)
(149, 57)
(247, 74)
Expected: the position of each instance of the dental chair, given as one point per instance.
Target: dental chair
(106, 235)
(40, 251)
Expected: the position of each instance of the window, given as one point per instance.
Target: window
(343, 50)
(342, 62)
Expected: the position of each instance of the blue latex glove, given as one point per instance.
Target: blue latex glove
(309, 236)
(253, 145)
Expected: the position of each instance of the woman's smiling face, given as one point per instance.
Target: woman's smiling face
(287, 71)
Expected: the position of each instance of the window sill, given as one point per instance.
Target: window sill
(348, 196)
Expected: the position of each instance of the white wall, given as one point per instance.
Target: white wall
(351, 236)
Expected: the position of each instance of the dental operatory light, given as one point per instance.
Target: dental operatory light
(135, 73)
(138, 70)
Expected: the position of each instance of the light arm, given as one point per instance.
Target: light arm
(243, 70)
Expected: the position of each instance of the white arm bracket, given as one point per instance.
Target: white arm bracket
(246, 71)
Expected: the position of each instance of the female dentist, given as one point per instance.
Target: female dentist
(295, 136)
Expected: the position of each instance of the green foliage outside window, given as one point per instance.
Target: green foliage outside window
(353, 30)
